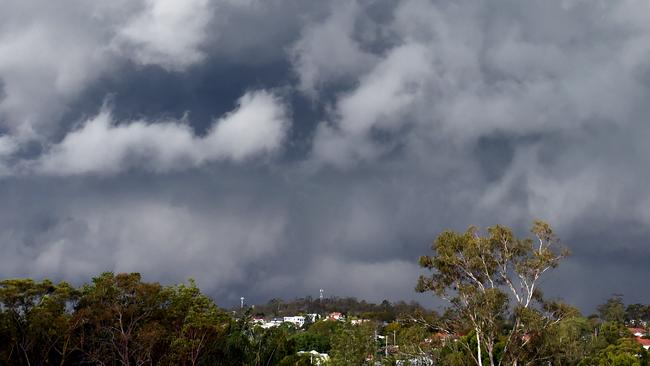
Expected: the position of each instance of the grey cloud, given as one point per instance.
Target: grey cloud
(51, 54)
(327, 52)
(165, 236)
(407, 118)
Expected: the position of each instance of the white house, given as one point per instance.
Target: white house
(359, 321)
(298, 321)
(272, 323)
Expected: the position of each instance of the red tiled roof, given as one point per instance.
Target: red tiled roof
(636, 330)
(643, 341)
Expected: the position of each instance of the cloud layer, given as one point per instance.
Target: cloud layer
(271, 148)
(100, 146)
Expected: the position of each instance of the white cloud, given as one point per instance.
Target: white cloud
(50, 53)
(259, 124)
(382, 99)
(44, 63)
(100, 146)
(168, 33)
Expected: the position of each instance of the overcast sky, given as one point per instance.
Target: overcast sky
(269, 148)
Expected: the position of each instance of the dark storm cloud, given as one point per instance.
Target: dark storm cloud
(272, 148)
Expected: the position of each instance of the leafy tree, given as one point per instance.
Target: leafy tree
(481, 276)
(613, 310)
(637, 313)
(455, 353)
(385, 311)
(273, 344)
(122, 319)
(568, 341)
(308, 341)
(51, 321)
(325, 331)
(238, 346)
(611, 332)
(195, 321)
(35, 321)
(296, 360)
(412, 338)
(353, 344)
(625, 352)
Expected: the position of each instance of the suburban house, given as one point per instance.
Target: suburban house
(298, 321)
(335, 316)
(638, 332)
(638, 335)
(272, 323)
(359, 321)
(643, 342)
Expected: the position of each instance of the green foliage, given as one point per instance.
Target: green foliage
(565, 342)
(296, 360)
(385, 311)
(625, 352)
(353, 344)
(612, 332)
(491, 278)
(307, 341)
(195, 322)
(122, 317)
(636, 314)
(118, 319)
(35, 326)
(273, 345)
(324, 330)
(613, 310)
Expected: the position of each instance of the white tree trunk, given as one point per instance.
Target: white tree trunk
(478, 348)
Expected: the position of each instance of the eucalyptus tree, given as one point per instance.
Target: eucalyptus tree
(123, 319)
(613, 310)
(353, 345)
(491, 281)
(194, 322)
(36, 321)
